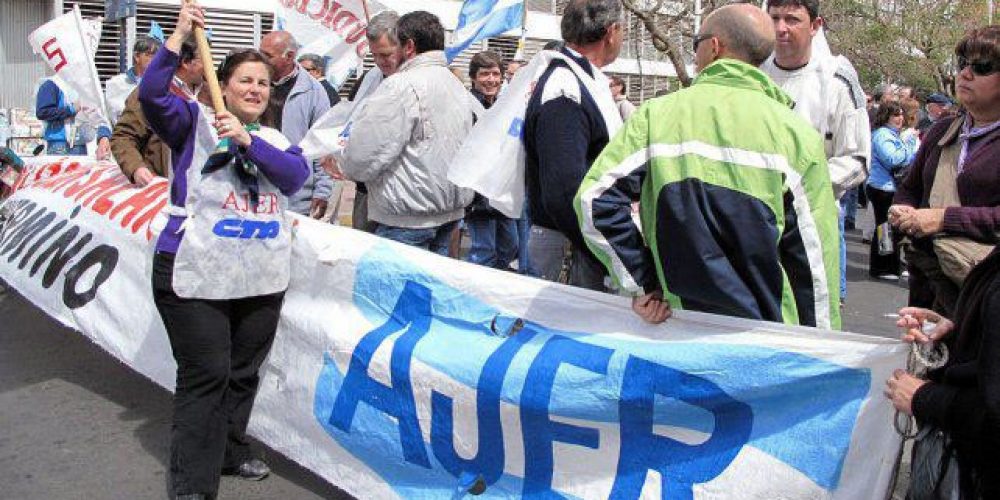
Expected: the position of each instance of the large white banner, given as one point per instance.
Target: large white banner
(397, 373)
(330, 28)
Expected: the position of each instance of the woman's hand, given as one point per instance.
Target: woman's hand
(191, 15)
(922, 222)
(900, 389)
(911, 320)
(229, 127)
(898, 212)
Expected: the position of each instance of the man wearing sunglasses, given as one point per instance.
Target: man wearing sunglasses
(826, 93)
(737, 210)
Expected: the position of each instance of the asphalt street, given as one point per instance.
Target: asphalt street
(75, 423)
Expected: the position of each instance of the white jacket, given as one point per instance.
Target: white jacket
(827, 95)
(402, 141)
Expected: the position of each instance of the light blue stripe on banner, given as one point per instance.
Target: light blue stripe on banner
(802, 409)
(474, 10)
(498, 22)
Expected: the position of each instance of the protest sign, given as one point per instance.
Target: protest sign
(397, 373)
(67, 43)
(334, 29)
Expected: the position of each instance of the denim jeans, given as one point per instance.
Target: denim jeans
(523, 236)
(849, 202)
(552, 255)
(843, 256)
(494, 239)
(60, 148)
(434, 239)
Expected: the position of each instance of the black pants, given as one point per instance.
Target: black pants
(879, 265)
(219, 346)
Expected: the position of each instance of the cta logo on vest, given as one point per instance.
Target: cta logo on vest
(247, 229)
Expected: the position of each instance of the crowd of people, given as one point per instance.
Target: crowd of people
(732, 196)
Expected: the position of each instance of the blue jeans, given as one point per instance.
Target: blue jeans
(843, 256)
(523, 235)
(60, 148)
(434, 239)
(849, 203)
(494, 239)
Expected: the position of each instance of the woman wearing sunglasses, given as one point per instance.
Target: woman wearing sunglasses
(222, 263)
(949, 202)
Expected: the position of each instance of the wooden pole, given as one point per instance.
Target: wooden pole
(205, 53)
(368, 16)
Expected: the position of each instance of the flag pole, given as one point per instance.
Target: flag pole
(519, 53)
(368, 16)
(205, 54)
(93, 68)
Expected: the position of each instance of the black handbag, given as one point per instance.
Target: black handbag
(934, 473)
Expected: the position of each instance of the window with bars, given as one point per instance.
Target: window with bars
(230, 29)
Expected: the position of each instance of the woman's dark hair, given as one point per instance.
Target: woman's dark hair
(980, 43)
(885, 111)
(238, 57)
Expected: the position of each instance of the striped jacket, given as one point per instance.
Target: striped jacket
(737, 213)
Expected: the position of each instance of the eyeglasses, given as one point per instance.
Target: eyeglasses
(698, 39)
(979, 68)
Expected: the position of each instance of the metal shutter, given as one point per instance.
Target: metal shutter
(230, 29)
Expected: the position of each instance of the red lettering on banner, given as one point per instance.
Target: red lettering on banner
(321, 13)
(147, 218)
(105, 188)
(302, 6)
(53, 53)
(362, 48)
(345, 18)
(288, 4)
(331, 12)
(138, 202)
(75, 188)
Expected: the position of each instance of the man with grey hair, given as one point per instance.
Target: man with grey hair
(737, 211)
(403, 138)
(316, 67)
(297, 101)
(568, 121)
(384, 47)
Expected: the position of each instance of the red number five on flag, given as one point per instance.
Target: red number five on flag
(52, 51)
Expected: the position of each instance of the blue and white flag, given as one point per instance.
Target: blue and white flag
(481, 19)
(156, 31)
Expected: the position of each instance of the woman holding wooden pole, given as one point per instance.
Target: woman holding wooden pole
(222, 262)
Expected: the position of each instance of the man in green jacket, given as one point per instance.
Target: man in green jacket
(736, 209)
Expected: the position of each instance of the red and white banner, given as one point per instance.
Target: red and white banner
(330, 28)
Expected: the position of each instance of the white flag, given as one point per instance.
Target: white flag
(67, 44)
(491, 159)
(330, 28)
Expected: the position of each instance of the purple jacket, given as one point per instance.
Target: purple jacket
(175, 119)
(978, 184)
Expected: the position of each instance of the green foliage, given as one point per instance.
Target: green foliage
(909, 42)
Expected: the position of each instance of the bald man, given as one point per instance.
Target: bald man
(737, 210)
(297, 101)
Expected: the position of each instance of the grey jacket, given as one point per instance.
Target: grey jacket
(402, 141)
(305, 104)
